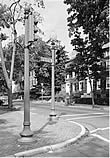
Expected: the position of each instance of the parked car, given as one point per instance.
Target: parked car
(3, 100)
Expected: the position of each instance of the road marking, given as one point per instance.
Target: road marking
(99, 129)
(85, 117)
(100, 137)
(82, 114)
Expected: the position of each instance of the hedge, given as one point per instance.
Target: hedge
(98, 101)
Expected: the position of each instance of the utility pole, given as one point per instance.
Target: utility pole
(26, 134)
(53, 113)
(30, 36)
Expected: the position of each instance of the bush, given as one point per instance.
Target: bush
(74, 96)
(65, 97)
(102, 101)
(83, 101)
(35, 93)
(102, 98)
(61, 96)
(1, 102)
(98, 101)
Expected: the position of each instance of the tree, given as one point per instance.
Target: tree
(61, 58)
(18, 73)
(42, 69)
(9, 17)
(3, 86)
(91, 18)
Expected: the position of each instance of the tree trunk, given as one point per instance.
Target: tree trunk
(8, 81)
(10, 104)
(92, 93)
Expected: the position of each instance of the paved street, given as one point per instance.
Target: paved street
(54, 63)
(95, 120)
(69, 126)
(90, 147)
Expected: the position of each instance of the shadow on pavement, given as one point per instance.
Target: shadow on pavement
(40, 130)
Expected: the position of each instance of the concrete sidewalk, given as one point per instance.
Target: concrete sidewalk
(46, 136)
(75, 105)
(86, 106)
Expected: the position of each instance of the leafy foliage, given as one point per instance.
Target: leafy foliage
(9, 16)
(42, 69)
(3, 85)
(91, 15)
(4, 16)
(91, 18)
(61, 58)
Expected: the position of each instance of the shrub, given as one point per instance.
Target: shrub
(74, 96)
(102, 97)
(1, 102)
(98, 101)
(83, 101)
(61, 96)
(102, 101)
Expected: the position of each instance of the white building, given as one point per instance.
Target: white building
(72, 85)
(83, 86)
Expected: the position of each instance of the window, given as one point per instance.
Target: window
(98, 84)
(107, 83)
(70, 74)
(85, 86)
(107, 64)
(67, 76)
(106, 54)
(82, 86)
(73, 74)
(76, 85)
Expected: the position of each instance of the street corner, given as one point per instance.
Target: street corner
(102, 133)
(62, 134)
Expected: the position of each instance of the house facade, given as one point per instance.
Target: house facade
(74, 86)
(107, 64)
(83, 86)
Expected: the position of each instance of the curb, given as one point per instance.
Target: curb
(54, 147)
(100, 107)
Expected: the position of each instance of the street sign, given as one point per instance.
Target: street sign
(44, 59)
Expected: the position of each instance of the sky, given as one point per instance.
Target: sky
(55, 20)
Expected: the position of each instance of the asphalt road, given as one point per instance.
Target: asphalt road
(95, 120)
(89, 147)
